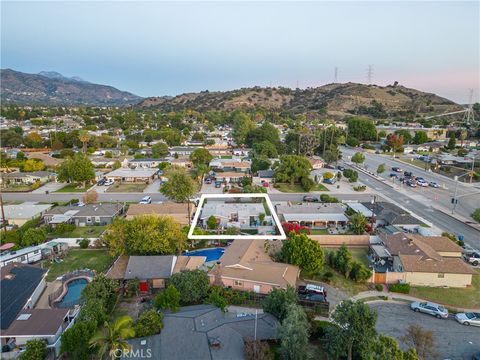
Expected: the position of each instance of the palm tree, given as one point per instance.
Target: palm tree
(84, 137)
(111, 339)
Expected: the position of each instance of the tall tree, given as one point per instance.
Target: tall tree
(300, 250)
(278, 300)
(180, 187)
(358, 158)
(452, 142)
(192, 285)
(293, 333)
(76, 169)
(395, 142)
(358, 221)
(84, 136)
(422, 340)
(361, 128)
(75, 341)
(201, 156)
(112, 338)
(420, 137)
(292, 168)
(242, 125)
(355, 334)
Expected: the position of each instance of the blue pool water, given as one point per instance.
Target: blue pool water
(211, 254)
(72, 297)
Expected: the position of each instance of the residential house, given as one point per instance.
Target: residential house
(313, 215)
(152, 271)
(219, 150)
(388, 214)
(204, 332)
(229, 176)
(26, 255)
(26, 178)
(144, 175)
(100, 161)
(178, 211)
(239, 215)
(316, 162)
(146, 163)
(419, 260)
(21, 286)
(241, 151)
(91, 214)
(230, 165)
(39, 324)
(182, 162)
(21, 213)
(245, 265)
(182, 150)
(264, 176)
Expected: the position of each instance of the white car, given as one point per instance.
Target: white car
(469, 318)
(146, 200)
(108, 182)
(434, 184)
(430, 308)
(422, 183)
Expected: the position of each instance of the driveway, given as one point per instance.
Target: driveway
(153, 187)
(51, 187)
(454, 341)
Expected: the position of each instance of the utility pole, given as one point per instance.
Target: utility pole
(369, 74)
(336, 75)
(4, 222)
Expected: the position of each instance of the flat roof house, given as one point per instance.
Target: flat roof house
(144, 175)
(420, 260)
(21, 213)
(315, 216)
(27, 178)
(387, 214)
(21, 285)
(246, 266)
(240, 215)
(91, 214)
(178, 211)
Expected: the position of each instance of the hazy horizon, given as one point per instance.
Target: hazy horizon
(164, 48)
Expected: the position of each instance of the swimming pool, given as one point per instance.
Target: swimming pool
(211, 254)
(72, 297)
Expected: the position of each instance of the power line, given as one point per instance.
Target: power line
(469, 116)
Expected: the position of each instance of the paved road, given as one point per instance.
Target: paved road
(453, 341)
(469, 195)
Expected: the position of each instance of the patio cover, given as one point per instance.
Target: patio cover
(315, 217)
(381, 251)
(362, 209)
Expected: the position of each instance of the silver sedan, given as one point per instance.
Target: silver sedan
(469, 318)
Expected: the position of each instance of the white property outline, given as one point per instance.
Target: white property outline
(282, 235)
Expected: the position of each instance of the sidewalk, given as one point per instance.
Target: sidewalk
(392, 296)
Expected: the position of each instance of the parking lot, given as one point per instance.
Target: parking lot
(454, 341)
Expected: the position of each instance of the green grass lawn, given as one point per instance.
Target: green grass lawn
(128, 188)
(82, 232)
(465, 298)
(319, 232)
(17, 188)
(76, 259)
(297, 188)
(72, 188)
(360, 254)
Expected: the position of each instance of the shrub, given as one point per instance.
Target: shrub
(132, 287)
(360, 188)
(216, 297)
(34, 350)
(379, 287)
(399, 288)
(192, 285)
(83, 243)
(320, 328)
(476, 215)
(149, 323)
(359, 272)
(36, 185)
(327, 276)
(168, 299)
(307, 183)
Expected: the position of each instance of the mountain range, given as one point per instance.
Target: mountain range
(52, 88)
(336, 100)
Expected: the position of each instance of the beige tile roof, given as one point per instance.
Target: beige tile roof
(247, 260)
(188, 263)
(416, 263)
(438, 243)
(178, 211)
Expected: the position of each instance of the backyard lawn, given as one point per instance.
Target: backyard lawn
(73, 188)
(127, 188)
(76, 259)
(319, 232)
(82, 232)
(360, 254)
(465, 298)
(297, 188)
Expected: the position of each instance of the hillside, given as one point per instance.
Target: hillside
(51, 88)
(334, 99)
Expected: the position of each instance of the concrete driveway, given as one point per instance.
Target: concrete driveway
(454, 341)
(51, 187)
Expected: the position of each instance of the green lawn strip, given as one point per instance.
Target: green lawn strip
(129, 188)
(297, 188)
(461, 297)
(98, 260)
(360, 254)
(72, 188)
(319, 232)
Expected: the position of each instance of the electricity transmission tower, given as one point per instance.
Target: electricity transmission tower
(369, 74)
(469, 115)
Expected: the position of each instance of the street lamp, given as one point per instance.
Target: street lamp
(373, 211)
(455, 199)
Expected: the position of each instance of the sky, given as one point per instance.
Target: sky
(166, 48)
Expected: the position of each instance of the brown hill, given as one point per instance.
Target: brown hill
(334, 99)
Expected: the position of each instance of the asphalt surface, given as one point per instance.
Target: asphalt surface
(468, 194)
(453, 341)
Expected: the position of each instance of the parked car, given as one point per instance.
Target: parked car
(108, 182)
(208, 181)
(340, 167)
(330, 181)
(146, 200)
(101, 182)
(407, 174)
(469, 318)
(430, 308)
(218, 184)
(411, 183)
(472, 257)
(309, 198)
(433, 184)
(314, 297)
(312, 289)
(396, 169)
(394, 175)
(422, 182)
